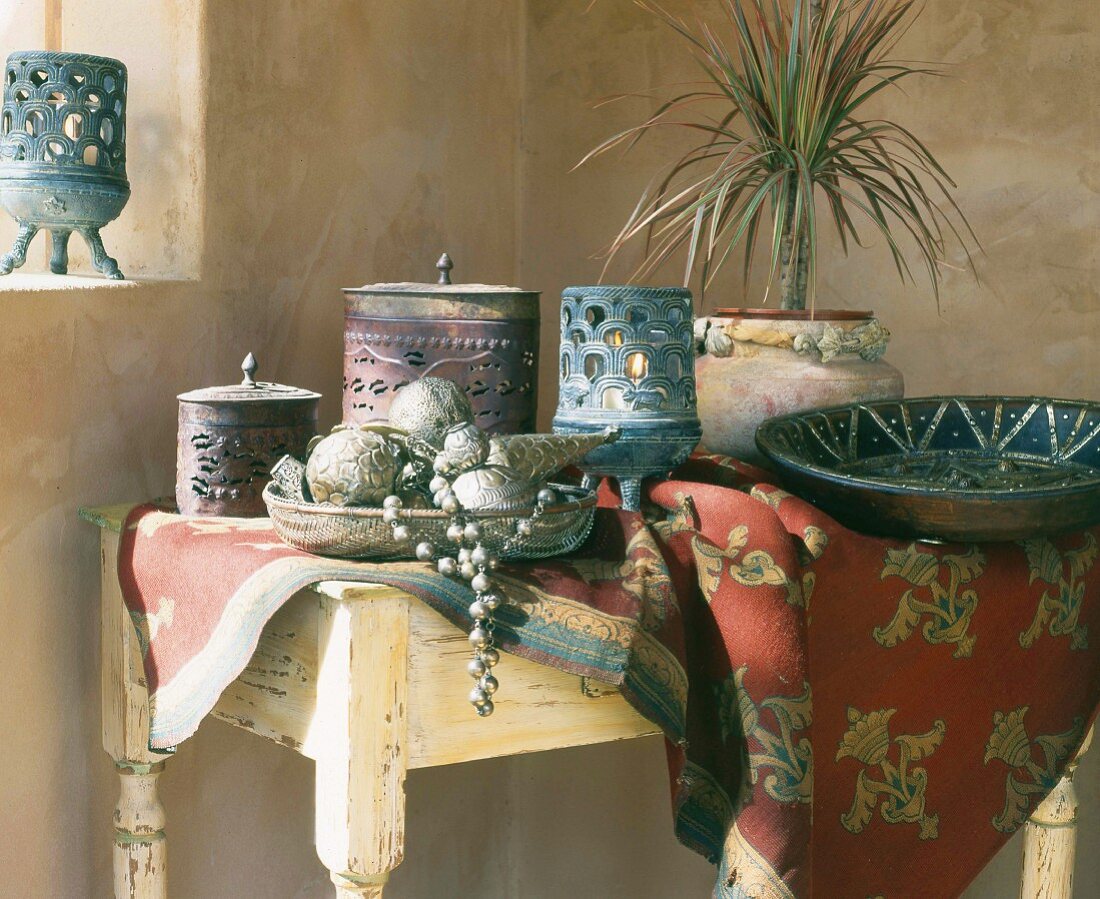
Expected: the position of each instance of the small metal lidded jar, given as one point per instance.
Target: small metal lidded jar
(483, 337)
(230, 437)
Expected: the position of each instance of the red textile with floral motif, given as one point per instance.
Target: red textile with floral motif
(918, 700)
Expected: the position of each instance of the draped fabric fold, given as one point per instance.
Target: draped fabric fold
(846, 715)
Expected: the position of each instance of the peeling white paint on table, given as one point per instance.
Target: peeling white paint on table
(367, 681)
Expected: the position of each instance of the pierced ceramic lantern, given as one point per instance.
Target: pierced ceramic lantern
(63, 152)
(483, 337)
(231, 437)
(628, 361)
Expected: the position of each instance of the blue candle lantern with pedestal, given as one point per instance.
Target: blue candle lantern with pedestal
(63, 152)
(627, 361)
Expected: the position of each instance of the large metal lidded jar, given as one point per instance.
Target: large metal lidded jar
(230, 437)
(483, 337)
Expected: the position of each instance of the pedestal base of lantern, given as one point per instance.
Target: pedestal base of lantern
(640, 452)
(630, 490)
(41, 200)
(59, 256)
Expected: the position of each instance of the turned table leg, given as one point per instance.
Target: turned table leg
(140, 850)
(1050, 840)
(360, 791)
(141, 853)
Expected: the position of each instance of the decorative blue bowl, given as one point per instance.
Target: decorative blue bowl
(949, 468)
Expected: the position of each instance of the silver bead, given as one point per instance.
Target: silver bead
(485, 709)
(392, 502)
(547, 496)
(478, 638)
(425, 551)
(489, 684)
(441, 465)
(524, 527)
(438, 484)
(478, 696)
(450, 504)
(454, 533)
(492, 601)
(490, 657)
(402, 534)
(467, 570)
(390, 515)
(437, 498)
(473, 531)
(479, 609)
(448, 566)
(477, 668)
(480, 583)
(465, 555)
(480, 556)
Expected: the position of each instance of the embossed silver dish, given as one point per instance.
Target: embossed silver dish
(361, 533)
(951, 468)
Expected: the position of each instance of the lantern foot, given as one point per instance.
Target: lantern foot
(631, 491)
(102, 262)
(18, 254)
(59, 256)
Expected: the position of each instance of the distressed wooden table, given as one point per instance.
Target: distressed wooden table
(365, 680)
(369, 682)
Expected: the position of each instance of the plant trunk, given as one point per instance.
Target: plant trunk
(793, 261)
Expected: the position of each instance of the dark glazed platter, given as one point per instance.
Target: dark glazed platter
(949, 468)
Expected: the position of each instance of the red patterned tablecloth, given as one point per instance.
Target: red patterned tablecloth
(846, 715)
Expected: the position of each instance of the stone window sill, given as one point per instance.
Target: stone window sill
(42, 282)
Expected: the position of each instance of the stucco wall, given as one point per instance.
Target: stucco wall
(349, 142)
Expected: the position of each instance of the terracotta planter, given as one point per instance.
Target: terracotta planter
(758, 363)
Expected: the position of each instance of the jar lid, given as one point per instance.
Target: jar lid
(441, 288)
(249, 390)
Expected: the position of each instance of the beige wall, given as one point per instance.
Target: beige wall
(352, 141)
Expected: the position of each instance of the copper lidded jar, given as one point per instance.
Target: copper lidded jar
(230, 437)
(483, 337)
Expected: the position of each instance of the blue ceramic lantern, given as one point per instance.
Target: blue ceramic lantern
(628, 361)
(63, 152)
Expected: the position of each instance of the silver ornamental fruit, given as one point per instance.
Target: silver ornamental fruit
(353, 467)
(465, 446)
(494, 487)
(427, 408)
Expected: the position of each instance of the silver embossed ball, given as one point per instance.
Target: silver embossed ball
(427, 408)
(464, 447)
(352, 467)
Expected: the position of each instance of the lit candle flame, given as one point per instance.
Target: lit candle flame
(637, 366)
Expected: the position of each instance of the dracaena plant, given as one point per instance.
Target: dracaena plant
(783, 131)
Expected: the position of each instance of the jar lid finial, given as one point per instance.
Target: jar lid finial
(249, 367)
(444, 265)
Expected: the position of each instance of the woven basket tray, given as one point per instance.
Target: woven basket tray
(360, 533)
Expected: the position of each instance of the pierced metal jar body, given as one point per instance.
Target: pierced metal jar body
(483, 337)
(63, 152)
(627, 360)
(229, 439)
